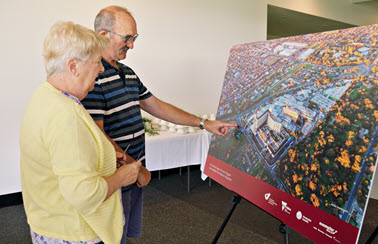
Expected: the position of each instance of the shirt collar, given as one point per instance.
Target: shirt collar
(105, 64)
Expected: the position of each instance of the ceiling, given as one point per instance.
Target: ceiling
(284, 22)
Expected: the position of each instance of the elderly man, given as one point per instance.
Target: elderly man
(115, 105)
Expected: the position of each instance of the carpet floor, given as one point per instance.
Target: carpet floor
(173, 215)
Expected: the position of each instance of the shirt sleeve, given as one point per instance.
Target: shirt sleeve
(94, 103)
(144, 93)
(74, 157)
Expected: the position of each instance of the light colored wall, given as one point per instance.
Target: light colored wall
(341, 10)
(181, 54)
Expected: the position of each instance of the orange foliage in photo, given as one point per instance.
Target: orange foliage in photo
(341, 119)
(344, 159)
(345, 186)
(368, 103)
(331, 138)
(315, 201)
(313, 167)
(298, 190)
(356, 165)
(312, 186)
(291, 153)
(295, 178)
(375, 114)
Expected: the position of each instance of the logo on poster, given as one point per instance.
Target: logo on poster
(302, 217)
(299, 215)
(285, 208)
(270, 200)
(329, 229)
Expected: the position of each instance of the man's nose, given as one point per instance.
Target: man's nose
(130, 44)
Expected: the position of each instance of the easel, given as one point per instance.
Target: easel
(372, 236)
(235, 202)
(284, 229)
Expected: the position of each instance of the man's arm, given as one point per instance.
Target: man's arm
(144, 176)
(100, 124)
(170, 113)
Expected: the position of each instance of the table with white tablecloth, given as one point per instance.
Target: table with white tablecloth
(173, 150)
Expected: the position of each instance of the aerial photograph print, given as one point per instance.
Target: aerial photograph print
(307, 111)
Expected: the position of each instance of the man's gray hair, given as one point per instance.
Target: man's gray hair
(106, 19)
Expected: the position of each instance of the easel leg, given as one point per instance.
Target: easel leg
(284, 229)
(373, 236)
(235, 201)
(188, 178)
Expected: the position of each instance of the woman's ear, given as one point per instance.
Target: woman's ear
(72, 66)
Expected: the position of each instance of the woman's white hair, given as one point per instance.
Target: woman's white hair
(68, 40)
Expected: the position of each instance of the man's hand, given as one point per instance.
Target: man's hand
(129, 173)
(217, 127)
(144, 177)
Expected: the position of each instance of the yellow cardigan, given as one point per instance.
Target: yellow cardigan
(64, 159)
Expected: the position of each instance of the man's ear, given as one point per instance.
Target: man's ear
(72, 66)
(104, 33)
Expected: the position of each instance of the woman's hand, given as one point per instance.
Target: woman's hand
(121, 159)
(128, 173)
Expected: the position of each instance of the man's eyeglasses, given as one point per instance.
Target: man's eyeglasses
(127, 38)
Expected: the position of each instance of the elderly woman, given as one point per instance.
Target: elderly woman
(68, 168)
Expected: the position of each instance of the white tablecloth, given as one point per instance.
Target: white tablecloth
(171, 150)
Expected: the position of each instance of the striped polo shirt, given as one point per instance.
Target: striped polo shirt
(115, 100)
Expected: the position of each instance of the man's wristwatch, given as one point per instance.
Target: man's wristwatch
(202, 124)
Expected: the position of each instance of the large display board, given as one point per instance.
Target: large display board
(306, 147)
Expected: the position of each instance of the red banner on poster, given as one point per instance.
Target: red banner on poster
(308, 220)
